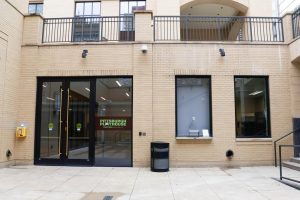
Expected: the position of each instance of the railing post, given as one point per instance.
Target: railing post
(275, 152)
(33, 30)
(251, 33)
(186, 28)
(280, 167)
(219, 29)
(143, 26)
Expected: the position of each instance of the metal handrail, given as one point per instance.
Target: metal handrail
(88, 29)
(216, 28)
(275, 143)
(280, 162)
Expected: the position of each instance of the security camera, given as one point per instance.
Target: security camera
(144, 48)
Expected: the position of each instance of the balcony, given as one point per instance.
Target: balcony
(200, 28)
(88, 29)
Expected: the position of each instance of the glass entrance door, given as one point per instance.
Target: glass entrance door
(84, 121)
(63, 122)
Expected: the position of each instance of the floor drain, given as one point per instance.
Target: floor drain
(108, 198)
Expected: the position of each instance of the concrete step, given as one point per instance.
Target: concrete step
(295, 160)
(291, 165)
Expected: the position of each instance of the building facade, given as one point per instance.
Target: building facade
(95, 82)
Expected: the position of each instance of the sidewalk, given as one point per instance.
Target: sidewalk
(92, 183)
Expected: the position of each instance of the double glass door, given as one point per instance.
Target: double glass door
(84, 121)
(64, 121)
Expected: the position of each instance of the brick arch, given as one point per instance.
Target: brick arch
(241, 5)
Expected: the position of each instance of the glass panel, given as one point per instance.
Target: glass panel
(96, 9)
(124, 7)
(50, 120)
(113, 122)
(251, 107)
(88, 9)
(78, 120)
(79, 9)
(141, 5)
(39, 8)
(31, 8)
(193, 107)
(132, 6)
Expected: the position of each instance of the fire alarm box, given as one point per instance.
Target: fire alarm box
(21, 132)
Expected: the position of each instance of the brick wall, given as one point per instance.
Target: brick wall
(154, 93)
(11, 27)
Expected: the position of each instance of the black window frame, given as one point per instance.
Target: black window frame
(35, 10)
(84, 2)
(268, 106)
(209, 77)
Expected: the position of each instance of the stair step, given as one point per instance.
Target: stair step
(296, 160)
(291, 165)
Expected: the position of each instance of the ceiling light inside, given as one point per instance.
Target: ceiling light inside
(255, 93)
(119, 84)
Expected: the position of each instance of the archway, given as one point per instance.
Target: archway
(213, 7)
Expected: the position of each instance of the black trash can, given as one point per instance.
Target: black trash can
(159, 156)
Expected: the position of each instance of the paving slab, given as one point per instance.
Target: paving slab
(94, 183)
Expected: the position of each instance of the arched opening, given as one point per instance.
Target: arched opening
(213, 7)
(211, 20)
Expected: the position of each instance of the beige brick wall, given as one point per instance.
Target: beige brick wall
(153, 89)
(65, 8)
(204, 59)
(154, 93)
(11, 27)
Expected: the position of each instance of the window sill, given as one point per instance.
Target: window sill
(194, 138)
(254, 140)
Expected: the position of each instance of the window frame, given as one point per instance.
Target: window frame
(209, 77)
(128, 6)
(36, 6)
(75, 7)
(268, 106)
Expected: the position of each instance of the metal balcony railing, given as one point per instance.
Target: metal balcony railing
(296, 23)
(198, 28)
(88, 29)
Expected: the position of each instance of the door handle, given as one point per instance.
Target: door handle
(59, 136)
(67, 126)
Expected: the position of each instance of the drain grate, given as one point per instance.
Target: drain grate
(108, 198)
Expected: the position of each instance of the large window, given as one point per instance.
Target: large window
(87, 9)
(35, 8)
(193, 106)
(252, 107)
(128, 7)
(86, 24)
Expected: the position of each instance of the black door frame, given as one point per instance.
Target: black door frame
(64, 161)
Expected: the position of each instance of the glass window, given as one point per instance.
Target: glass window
(35, 8)
(88, 8)
(193, 107)
(252, 107)
(128, 7)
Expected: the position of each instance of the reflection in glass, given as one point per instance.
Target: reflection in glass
(193, 107)
(251, 107)
(78, 120)
(113, 122)
(50, 120)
